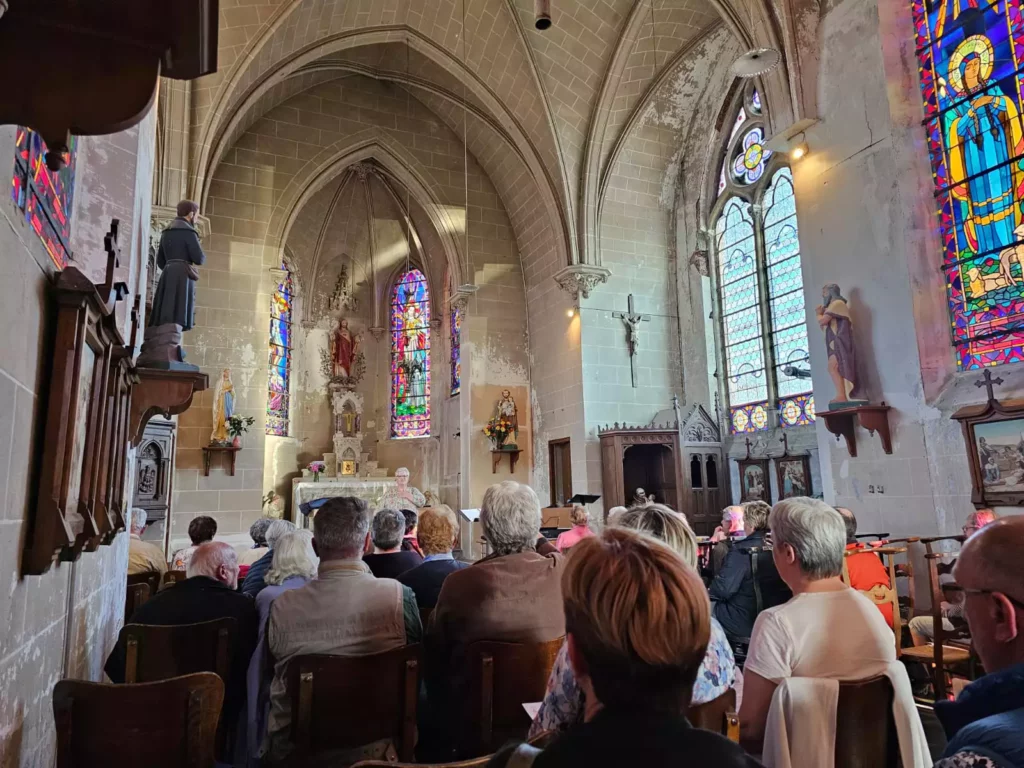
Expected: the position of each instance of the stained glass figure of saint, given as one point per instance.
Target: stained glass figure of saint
(410, 356)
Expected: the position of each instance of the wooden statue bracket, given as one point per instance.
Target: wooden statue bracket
(161, 391)
(100, 62)
(513, 458)
(874, 418)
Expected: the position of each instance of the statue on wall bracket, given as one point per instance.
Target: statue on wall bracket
(834, 319)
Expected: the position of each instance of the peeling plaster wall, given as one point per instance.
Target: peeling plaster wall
(80, 606)
(233, 298)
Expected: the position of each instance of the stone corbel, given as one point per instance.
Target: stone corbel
(460, 299)
(377, 332)
(700, 258)
(580, 279)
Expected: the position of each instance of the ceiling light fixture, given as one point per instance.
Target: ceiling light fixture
(756, 61)
(542, 14)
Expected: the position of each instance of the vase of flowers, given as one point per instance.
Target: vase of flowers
(498, 429)
(316, 467)
(238, 426)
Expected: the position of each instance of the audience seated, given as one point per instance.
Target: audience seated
(638, 624)
(512, 595)
(866, 569)
(255, 580)
(827, 630)
(201, 530)
(258, 534)
(345, 611)
(389, 560)
(207, 594)
(922, 628)
(580, 529)
(294, 565)
(438, 532)
(733, 598)
(564, 701)
(730, 531)
(143, 556)
(985, 725)
(410, 542)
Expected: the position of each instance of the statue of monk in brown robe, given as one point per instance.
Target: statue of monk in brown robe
(834, 319)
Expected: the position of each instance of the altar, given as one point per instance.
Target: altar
(369, 489)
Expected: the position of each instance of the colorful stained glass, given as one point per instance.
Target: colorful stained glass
(796, 411)
(749, 418)
(410, 356)
(748, 165)
(44, 196)
(755, 102)
(455, 323)
(971, 58)
(279, 378)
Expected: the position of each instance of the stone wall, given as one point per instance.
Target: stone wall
(61, 624)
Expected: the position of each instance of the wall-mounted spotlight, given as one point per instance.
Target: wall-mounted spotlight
(798, 148)
(793, 140)
(542, 14)
(571, 311)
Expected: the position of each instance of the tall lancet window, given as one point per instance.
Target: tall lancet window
(759, 282)
(456, 343)
(971, 57)
(279, 374)
(410, 356)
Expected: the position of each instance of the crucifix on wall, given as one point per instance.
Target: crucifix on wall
(632, 322)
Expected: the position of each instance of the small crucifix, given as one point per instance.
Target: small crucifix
(632, 322)
(987, 381)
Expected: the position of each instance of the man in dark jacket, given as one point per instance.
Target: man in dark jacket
(438, 531)
(207, 594)
(254, 581)
(179, 254)
(389, 560)
(733, 597)
(985, 725)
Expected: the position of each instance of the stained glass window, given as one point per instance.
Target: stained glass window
(410, 356)
(971, 58)
(280, 356)
(456, 339)
(760, 287)
(45, 197)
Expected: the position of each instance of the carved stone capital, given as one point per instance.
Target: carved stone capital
(378, 332)
(362, 170)
(699, 261)
(580, 279)
(435, 323)
(460, 299)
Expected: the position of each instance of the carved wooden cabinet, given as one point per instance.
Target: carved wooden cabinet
(683, 468)
(154, 468)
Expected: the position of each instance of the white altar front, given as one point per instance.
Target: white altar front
(369, 489)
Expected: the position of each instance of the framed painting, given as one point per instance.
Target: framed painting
(754, 483)
(794, 476)
(994, 438)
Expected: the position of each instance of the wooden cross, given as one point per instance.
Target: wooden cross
(632, 322)
(987, 381)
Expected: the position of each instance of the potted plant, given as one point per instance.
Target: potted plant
(316, 467)
(238, 426)
(498, 429)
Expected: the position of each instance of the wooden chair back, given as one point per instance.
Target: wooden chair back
(385, 685)
(135, 595)
(503, 676)
(960, 635)
(152, 578)
(865, 728)
(171, 578)
(159, 653)
(168, 724)
(718, 715)
(880, 594)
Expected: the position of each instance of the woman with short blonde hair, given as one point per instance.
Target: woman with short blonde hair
(565, 701)
(580, 530)
(637, 624)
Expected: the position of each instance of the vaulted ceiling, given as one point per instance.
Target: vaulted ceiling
(543, 112)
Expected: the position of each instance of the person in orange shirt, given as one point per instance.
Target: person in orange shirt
(866, 569)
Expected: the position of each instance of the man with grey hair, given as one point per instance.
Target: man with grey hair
(827, 630)
(207, 594)
(388, 560)
(254, 582)
(346, 611)
(513, 595)
(258, 534)
(143, 556)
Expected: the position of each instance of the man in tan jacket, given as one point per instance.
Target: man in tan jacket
(143, 555)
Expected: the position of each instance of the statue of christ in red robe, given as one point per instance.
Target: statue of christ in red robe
(346, 346)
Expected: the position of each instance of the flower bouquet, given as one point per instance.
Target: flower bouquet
(238, 426)
(316, 467)
(498, 429)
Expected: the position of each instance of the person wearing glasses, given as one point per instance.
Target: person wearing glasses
(985, 725)
(922, 628)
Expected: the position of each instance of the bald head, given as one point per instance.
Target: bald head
(988, 569)
(850, 521)
(215, 560)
